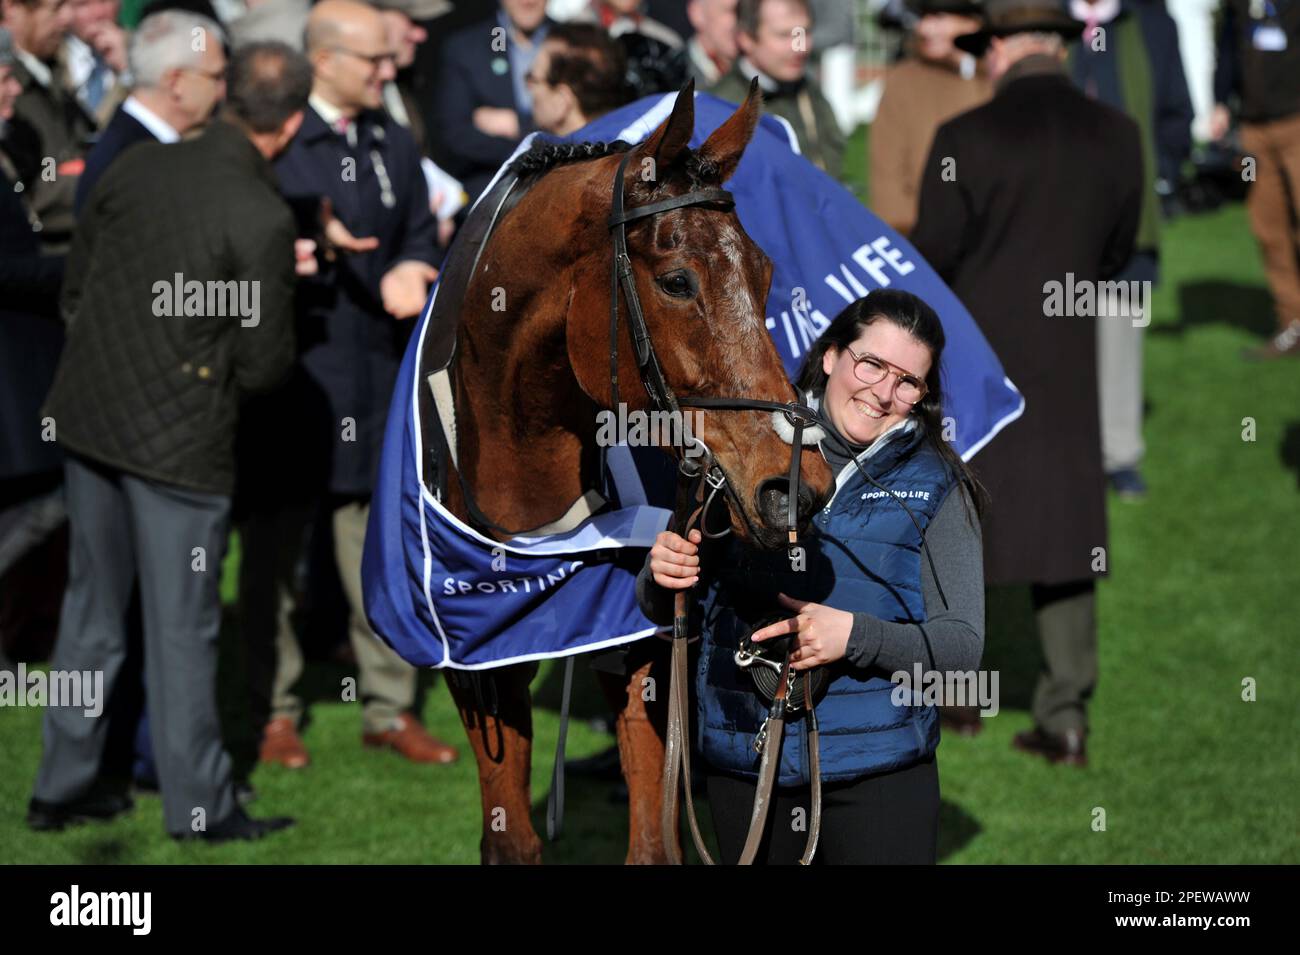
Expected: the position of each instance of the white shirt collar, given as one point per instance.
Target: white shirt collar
(40, 72)
(325, 109)
(749, 70)
(1103, 11)
(162, 130)
(80, 59)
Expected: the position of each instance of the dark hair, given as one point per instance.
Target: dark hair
(266, 83)
(749, 14)
(589, 63)
(918, 319)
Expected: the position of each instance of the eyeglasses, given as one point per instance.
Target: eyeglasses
(870, 370)
(376, 60)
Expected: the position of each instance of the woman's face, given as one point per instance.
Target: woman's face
(862, 412)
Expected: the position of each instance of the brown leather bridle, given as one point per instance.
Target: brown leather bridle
(691, 512)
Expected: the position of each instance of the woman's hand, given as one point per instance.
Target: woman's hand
(675, 561)
(823, 633)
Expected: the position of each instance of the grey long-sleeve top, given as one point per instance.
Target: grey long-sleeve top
(956, 634)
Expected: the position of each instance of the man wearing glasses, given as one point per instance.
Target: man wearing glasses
(319, 438)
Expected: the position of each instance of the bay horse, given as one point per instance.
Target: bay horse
(530, 379)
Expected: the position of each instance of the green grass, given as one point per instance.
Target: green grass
(1202, 595)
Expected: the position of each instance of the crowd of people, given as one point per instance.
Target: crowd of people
(300, 169)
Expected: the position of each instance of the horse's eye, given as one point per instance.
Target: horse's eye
(679, 284)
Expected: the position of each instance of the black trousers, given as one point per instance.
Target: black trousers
(886, 819)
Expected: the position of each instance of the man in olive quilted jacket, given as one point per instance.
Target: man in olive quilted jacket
(178, 303)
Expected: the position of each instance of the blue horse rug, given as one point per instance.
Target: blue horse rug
(444, 595)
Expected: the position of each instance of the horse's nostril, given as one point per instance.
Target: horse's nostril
(774, 501)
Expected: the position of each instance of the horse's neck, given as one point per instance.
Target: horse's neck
(525, 430)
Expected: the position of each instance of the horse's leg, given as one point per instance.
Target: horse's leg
(641, 725)
(502, 746)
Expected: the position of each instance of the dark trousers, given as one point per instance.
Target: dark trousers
(1066, 615)
(885, 819)
(123, 528)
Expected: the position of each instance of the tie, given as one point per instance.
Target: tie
(95, 84)
(347, 129)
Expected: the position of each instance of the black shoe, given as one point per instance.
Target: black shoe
(238, 826)
(52, 816)
(1128, 484)
(245, 793)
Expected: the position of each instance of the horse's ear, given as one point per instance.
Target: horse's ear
(728, 142)
(667, 143)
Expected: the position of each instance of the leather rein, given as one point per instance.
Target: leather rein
(691, 512)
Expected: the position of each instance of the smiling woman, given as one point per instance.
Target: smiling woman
(867, 606)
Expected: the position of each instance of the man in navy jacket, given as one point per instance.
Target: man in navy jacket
(484, 107)
(320, 437)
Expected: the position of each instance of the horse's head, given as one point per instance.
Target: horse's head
(702, 285)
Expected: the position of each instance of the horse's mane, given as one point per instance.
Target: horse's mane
(543, 156)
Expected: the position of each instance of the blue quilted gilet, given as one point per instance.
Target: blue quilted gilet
(867, 557)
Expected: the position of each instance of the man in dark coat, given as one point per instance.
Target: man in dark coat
(31, 505)
(483, 105)
(178, 303)
(319, 438)
(1039, 186)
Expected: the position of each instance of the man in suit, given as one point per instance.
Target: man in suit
(483, 104)
(176, 89)
(31, 502)
(314, 445)
(178, 304)
(50, 130)
(1041, 185)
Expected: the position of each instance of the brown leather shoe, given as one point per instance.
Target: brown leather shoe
(413, 741)
(962, 720)
(1067, 748)
(282, 746)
